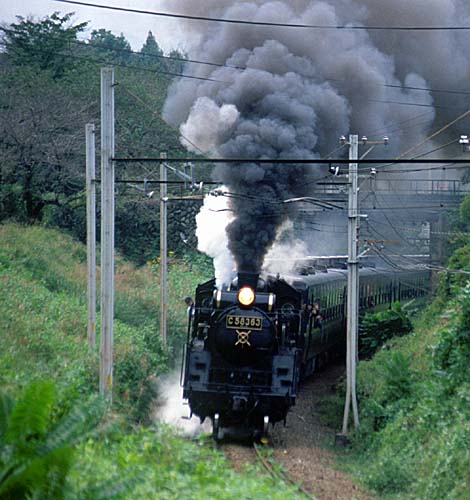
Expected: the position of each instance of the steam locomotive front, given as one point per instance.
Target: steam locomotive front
(242, 364)
(244, 323)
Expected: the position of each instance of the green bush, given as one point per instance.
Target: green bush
(452, 352)
(376, 328)
(36, 449)
(414, 438)
(158, 464)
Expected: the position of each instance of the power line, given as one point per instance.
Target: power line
(127, 66)
(263, 23)
(89, 43)
(419, 230)
(427, 169)
(436, 133)
(383, 130)
(295, 161)
(437, 149)
(417, 104)
(158, 115)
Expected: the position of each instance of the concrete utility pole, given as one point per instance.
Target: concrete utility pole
(163, 249)
(353, 287)
(91, 232)
(107, 232)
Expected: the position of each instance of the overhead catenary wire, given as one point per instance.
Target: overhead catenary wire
(397, 126)
(294, 161)
(158, 115)
(265, 23)
(434, 134)
(127, 66)
(146, 55)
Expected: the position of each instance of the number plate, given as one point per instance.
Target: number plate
(249, 322)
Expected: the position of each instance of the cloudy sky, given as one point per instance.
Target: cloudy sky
(134, 26)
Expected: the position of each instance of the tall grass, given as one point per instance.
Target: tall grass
(43, 337)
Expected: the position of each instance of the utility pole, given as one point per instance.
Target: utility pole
(107, 232)
(163, 249)
(91, 232)
(353, 287)
(352, 334)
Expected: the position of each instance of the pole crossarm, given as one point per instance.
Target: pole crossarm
(297, 161)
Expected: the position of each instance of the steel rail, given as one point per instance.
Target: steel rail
(282, 475)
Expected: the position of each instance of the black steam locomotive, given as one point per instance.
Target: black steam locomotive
(248, 346)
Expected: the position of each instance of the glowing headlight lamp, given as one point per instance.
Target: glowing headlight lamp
(246, 296)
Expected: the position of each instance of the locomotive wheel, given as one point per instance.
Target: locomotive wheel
(215, 427)
(264, 435)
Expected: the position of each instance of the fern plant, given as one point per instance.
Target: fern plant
(36, 452)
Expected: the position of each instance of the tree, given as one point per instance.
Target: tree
(41, 142)
(176, 64)
(111, 47)
(151, 46)
(151, 53)
(46, 44)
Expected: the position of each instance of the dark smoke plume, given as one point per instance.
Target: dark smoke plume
(303, 88)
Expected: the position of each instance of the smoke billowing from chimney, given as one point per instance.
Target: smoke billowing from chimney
(303, 88)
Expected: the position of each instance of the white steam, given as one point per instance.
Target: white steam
(282, 256)
(211, 221)
(171, 409)
(208, 125)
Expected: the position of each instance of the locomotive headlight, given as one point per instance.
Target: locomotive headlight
(246, 296)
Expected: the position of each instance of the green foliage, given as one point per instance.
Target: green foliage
(397, 377)
(376, 329)
(113, 48)
(43, 44)
(464, 213)
(47, 449)
(36, 450)
(42, 125)
(43, 320)
(452, 352)
(50, 89)
(162, 465)
(414, 437)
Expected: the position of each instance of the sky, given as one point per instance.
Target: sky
(134, 26)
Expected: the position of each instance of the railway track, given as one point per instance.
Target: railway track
(299, 455)
(280, 473)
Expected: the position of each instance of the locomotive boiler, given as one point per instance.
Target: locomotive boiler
(242, 358)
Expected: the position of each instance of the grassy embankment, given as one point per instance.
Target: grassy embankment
(414, 439)
(43, 337)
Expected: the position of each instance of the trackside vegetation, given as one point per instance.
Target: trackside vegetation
(414, 438)
(57, 439)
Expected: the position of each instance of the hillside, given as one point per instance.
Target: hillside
(48, 373)
(414, 439)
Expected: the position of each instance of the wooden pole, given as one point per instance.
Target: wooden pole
(91, 232)
(107, 232)
(163, 250)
